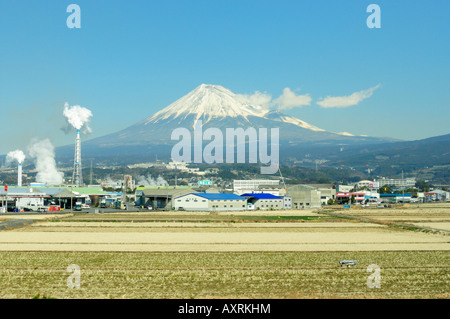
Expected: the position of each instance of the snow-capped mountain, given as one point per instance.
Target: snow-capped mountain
(216, 105)
(209, 102)
(220, 108)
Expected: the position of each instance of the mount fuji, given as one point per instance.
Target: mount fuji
(216, 107)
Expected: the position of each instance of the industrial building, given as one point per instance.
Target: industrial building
(263, 201)
(344, 188)
(361, 197)
(396, 198)
(159, 198)
(400, 183)
(38, 197)
(327, 192)
(210, 202)
(246, 186)
(363, 184)
(304, 196)
(287, 202)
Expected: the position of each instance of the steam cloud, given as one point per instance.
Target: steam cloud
(44, 157)
(16, 155)
(78, 116)
(287, 100)
(149, 181)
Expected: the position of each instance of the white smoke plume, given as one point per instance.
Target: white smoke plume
(113, 183)
(16, 155)
(78, 117)
(43, 155)
(149, 181)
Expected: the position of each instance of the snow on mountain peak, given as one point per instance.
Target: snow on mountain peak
(208, 101)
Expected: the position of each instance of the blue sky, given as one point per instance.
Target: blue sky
(130, 59)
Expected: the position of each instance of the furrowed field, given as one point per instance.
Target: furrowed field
(291, 254)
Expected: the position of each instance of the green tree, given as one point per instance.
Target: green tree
(385, 190)
(423, 186)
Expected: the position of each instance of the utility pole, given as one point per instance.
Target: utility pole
(285, 189)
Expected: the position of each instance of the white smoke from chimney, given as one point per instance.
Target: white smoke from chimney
(43, 155)
(149, 181)
(78, 116)
(16, 155)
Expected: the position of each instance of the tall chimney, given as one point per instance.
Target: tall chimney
(77, 177)
(19, 175)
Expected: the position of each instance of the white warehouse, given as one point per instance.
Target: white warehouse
(210, 202)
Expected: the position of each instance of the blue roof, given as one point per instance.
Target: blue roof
(261, 196)
(396, 195)
(219, 196)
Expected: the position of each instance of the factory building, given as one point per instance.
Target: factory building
(263, 201)
(304, 196)
(210, 202)
(34, 198)
(23, 197)
(287, 202)
(248, 186)
(327, 192)
(400, 183)
(159, 198)
(345, 188)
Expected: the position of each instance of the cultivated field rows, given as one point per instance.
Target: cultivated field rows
(416, 274)
(221, 241)
(153, 255)
(145, 225)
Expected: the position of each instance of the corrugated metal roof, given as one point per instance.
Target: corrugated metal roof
(396, 195)
(21, 191)
(261, 196)
(219, 196)
(165, 192)
(87, 190)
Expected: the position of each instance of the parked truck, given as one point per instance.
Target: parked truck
(78, 206)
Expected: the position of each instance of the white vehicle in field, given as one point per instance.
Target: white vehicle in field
(347, 263)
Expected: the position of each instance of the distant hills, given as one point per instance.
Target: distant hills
(300, 142)
(216, 107)
(425, 152)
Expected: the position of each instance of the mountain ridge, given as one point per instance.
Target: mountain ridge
(220, 108)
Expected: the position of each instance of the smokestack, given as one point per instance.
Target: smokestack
(19, 175)
(19, 156)
(77, 177)
(77, 117)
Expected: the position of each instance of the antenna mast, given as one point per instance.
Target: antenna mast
(282, 179)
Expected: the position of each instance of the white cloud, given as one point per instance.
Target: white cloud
(257, 99)
(346, 101)
(289, 100)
